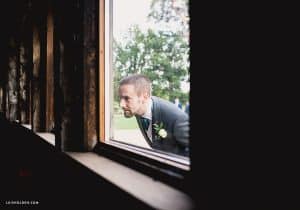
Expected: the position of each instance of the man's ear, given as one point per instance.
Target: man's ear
(145, 96)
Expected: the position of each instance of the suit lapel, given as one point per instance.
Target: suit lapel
(155, 115)
(143, 131)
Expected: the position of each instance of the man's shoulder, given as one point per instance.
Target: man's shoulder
(161, 101)
(166, 106)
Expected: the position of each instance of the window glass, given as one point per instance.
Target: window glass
(151, 38)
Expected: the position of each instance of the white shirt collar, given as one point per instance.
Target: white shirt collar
(148, 113)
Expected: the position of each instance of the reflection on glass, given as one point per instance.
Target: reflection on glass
(152, 42)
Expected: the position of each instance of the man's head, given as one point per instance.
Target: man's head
(134, 93)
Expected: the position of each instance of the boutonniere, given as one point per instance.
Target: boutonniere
(159, 130)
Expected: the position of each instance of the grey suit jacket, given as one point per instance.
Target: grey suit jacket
(175, 122)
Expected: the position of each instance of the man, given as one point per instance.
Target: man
(177, 103)
(163, 124)
(187, 108)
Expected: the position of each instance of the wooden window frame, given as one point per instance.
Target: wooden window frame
(166, 171)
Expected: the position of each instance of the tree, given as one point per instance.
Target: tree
(172, 12)
(162, 56)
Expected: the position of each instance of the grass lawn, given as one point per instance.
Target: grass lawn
(120, 122)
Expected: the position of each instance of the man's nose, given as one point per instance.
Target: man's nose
(122, 103)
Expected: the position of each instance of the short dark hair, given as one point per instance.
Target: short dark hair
(140, 82)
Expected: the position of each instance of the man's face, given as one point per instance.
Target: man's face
(130, 102)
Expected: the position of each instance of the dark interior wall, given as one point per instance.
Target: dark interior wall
(38, 80)
(91, 75)
(69, 38)
(15, 60)
(31, 169)
(49, 68)
(3, 70)
(10, 63)
(76, 73)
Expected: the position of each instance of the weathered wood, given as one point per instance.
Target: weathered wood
(29, 66)
(3, 81)
(12, 84)
(29, 84)
(76, 74)
(57, 62)
(25, 74)
(23, 84)
(2, 89)
(3, 75)
(90, 74)
(39, 68)
(69, 38)
(50, 72)
(36, 95)
(25, 57)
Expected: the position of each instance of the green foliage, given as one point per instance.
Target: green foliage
(171, 11)
(162, 56)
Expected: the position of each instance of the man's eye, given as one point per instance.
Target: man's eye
(126, 98)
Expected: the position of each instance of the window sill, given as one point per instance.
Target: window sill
(154, 193)
(146, 189)
(181, 162)
(49, 137)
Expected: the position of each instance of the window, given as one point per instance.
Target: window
(58, 51)
(151, 38)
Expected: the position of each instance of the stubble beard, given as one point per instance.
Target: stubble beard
(128, 114)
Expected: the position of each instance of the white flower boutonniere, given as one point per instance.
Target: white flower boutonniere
(160, 131)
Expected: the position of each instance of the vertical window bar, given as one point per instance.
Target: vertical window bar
(102, 69)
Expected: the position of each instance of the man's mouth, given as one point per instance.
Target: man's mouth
(127, 113)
